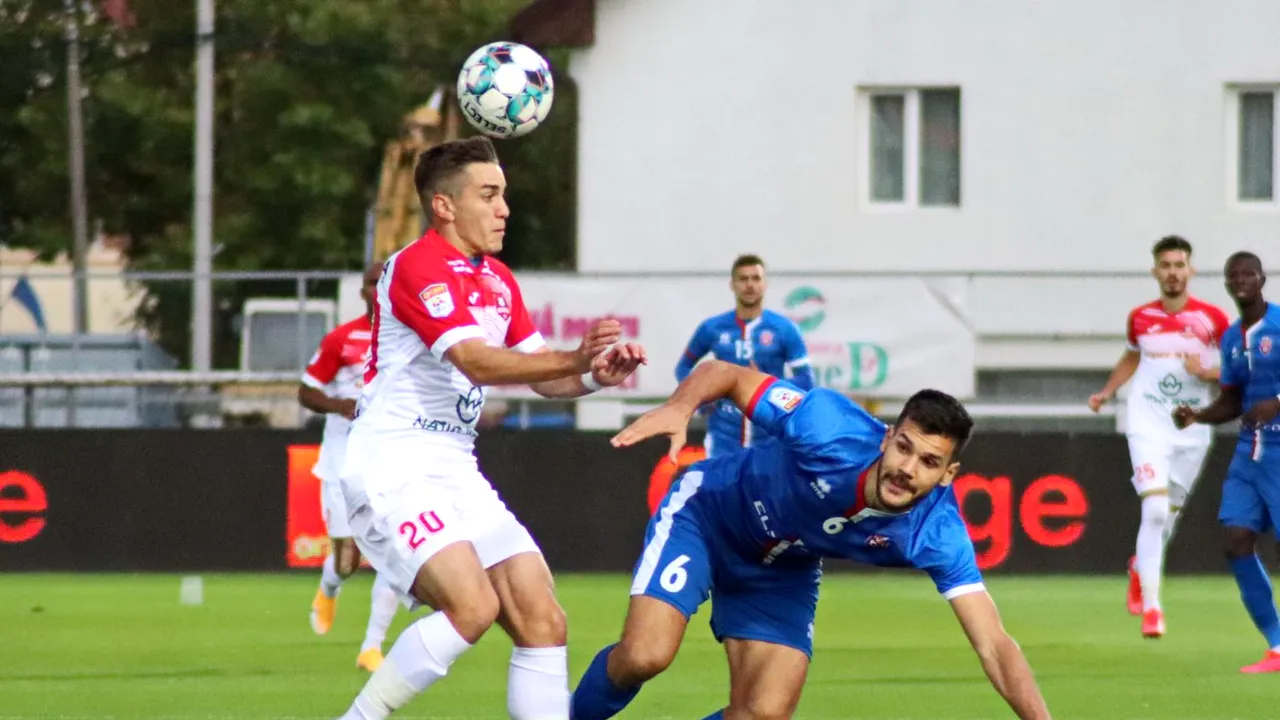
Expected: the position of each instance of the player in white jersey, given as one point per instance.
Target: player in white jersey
(449, 321)
(330, 385)
(1171, 357)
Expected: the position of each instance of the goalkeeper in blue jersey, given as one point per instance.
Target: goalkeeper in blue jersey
(749, 531)
(751, 336)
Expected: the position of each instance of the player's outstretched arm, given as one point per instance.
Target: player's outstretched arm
(484, 364)
(317, 401)
(1227, 406)
(711, 380)
(1001, 657)
(1124, 369)
(608, 369)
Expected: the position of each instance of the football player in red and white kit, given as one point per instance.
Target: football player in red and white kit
(330, 385)
(449, 321)
(1171, 356)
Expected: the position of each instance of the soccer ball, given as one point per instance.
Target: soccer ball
(505, 89)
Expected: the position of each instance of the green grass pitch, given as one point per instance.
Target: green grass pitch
(121, 646)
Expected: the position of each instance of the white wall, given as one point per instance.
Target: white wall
(1089, 129)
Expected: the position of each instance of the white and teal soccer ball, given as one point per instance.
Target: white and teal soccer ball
(505, 89)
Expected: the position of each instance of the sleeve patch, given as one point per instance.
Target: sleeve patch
(438, 300)
(783, 398)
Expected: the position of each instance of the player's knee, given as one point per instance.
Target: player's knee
(1239, 544)
(346, 557)
(761, 706)
(632, 663)
(476, 614)
(544, 626)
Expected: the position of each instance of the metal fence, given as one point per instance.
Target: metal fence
(271, 321)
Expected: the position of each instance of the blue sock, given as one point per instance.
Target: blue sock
(596, 697)
(1255, 591)
(718, 715)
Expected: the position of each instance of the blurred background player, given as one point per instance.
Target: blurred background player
(450, 321)
(1251, 492)
(330, 386)
(751, 336)
(750, 530)
(1171, 355)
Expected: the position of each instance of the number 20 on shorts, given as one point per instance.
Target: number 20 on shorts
(428, 524)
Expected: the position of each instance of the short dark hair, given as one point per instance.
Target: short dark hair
(747, 260)
(1171, 242)
(439, 166)
(937, 413)
(1242, 255)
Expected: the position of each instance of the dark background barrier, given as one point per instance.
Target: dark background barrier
(205, 500)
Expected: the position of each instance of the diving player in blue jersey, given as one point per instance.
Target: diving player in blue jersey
(749, 531)
(749, 336)
(1250, 391)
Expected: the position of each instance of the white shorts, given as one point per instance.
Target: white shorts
(333, 506)
(405, 507)
(1165, 466)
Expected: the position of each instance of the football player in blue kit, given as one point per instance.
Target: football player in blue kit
(751, 336)
(1250, 391)
(749, 531)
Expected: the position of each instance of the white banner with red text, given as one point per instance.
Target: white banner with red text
(883, 338)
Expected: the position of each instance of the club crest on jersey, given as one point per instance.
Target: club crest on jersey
(437, 299)
(785, 399)
(1264, 346)
(766, 337)
(878, 541)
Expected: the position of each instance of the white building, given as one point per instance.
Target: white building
(1037, 145)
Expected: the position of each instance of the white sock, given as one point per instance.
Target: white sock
(422, 654)
(381, 611)
(330, 580)
(1150, 549)
(538, 686)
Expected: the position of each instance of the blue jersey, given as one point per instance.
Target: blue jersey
(771, 343)
(1251, 364)
(789, 502)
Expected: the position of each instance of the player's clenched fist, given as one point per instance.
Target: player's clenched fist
(596, 340)
(1183, 416)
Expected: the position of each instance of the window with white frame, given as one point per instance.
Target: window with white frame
(1252, 144)
(911, 147)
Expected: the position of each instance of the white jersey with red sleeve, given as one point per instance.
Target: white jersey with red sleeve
(337, 369)
(1161, 381)
(431, 297)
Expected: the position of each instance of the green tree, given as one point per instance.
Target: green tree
(307, 93)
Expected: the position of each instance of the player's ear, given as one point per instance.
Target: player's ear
(950, 474)
(884, 441)
(442, 207)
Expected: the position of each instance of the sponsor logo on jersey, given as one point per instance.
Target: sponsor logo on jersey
(1170, 385)
(437, 299)
(469, 405)
(821, 488)
(878, 541)
(785, 399)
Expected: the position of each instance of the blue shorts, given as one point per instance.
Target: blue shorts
(1251, 493)
(686, 561)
